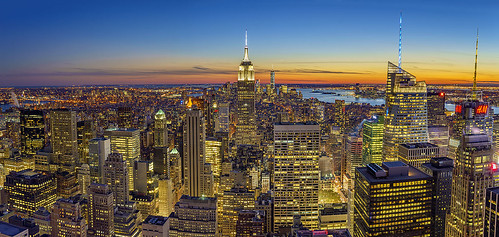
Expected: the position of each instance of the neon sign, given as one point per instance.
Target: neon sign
(459, 108)
(482, 109)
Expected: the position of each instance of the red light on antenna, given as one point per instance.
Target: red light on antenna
(442, 94)
(494, 167)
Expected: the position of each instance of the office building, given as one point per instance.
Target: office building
(160, 129)
(127, 221)
(10, 230)
(42, 219)
(100, 211)
(436, 108)
(340, 118)
(116, 177)
(440, 169)
(28, 223)
(32, 126)
(392, 199)
(439, 135)
(372, 140)
(146, 190)
(296, 188)
(406, 118)
(222, 120)
(127, 143)
(250, 223)
(98, 150)
(197, 182)
(246, 117)
(28, 190)
(491, 223)
(474, 172)
(155, 226)
(67, 218)
(85, 132)
(194, 216)
(83, 176)
(233, 201)
(416, 154)
(64, 138)
(353, 155)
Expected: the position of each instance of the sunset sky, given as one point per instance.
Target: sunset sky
(191, 42)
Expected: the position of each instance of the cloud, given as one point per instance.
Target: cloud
(306, 71)
(201, 68)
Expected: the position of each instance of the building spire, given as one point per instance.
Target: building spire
(400, 41)
(474, 91)
(246, 57)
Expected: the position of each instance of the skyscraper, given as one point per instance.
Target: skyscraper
(101, 211)
(473, 173)
(416, 154)
(436, 108)
(372, 140)
(392, 200)
(160, 129)
(194, 216)
(196, 180)
(32, 126)
(406, 118)
(232, 202)
(67, 218)
(127, 143)
(116, 177)
(28, 190)
(441, 170)
(85, 132)
(491, 227)
(296, 187)
(145, 193)
(98, 150)
(246, 118)
(64, 138)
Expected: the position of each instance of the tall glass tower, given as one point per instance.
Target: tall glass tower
(406, 118)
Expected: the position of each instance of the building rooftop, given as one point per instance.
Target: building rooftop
(494, 190)
(396, 171)
(418, 145)
(155, 220)
(9, 229)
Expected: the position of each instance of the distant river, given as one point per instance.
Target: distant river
(349, 97)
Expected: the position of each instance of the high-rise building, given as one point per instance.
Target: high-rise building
(67, 218)
(250, 223)
(194, 216)
(391, 200)
(213, 148)
(127, 221)
(98, 150)
(272, 78)
(246, 117)
(196, 180)
(441, 170)
(28, 190)
(85, 132)
(170, 184)
(32, 126)
(155, 226)
(64, 138)
(222, 119)
(83, 176)
(146, 190)
(406, 119)
(10, 230)
(353, 154)
(372, 140)
(100, 211)
(473, 173)
(232, 202)
(116, 177)
(340, 118)
(127, 143)
(416, 154)
(42, 219)
(160, 129)
(439, 135)
(436, 108)
(491, 224)
(67, 184)
(296, 187)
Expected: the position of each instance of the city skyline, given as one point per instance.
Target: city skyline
(317, 42)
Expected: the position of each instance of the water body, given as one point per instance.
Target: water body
(349, 97)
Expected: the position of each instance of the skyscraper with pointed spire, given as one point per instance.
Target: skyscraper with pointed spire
(406, 119)
(246, 119)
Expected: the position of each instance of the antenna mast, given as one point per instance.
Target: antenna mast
(474, 96)
(400, 42)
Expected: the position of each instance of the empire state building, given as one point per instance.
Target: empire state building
(246, 120)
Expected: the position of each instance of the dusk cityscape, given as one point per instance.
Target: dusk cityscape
(249, 118)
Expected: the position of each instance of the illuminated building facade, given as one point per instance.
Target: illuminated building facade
(353, 154)
(232, 202)
(146, 188)
(222, 120)
(491, 227)
(64, 138)
(155, 226)
(372, 140)
(246, 117)
(436, 108)
(67, 218)
(213, 148)
(473, 173)
(194, 216)
(440, 169)
(85, 132)
(116, 177)
(406, 119)
(250, 223)
(28, 190)
(416, 154)
(127, 143)
(296, 187)
(32, 125)
(394, 199)
(101, 211)
(98, 150)
(160, 129)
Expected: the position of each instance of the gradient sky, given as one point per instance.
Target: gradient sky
(315, 41)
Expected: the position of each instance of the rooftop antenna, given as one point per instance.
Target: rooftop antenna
(246, 39)
(474, 94)
(400, 42)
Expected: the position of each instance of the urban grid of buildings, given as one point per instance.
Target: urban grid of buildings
(248, 159)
